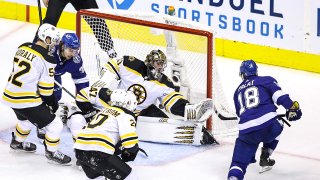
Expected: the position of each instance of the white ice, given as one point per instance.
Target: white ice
(297, 156)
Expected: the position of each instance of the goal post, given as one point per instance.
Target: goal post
(189, 48)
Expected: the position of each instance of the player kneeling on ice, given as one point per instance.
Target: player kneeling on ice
(96, 143)
(255, 100)
(151, 86)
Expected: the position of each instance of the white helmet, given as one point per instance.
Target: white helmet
(123, 98)
(49, 31)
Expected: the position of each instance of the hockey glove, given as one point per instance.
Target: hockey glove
(129, 154)
(62, 111)
(294, 113)
(53, 107)
(89, 115)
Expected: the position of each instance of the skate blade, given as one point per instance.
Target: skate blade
(20, 151)
(265, 168)
(57, 163)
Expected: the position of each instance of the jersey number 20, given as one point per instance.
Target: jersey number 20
(250, 97)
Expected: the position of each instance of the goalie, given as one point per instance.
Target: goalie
(151, 87)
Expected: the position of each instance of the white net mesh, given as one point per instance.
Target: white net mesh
(187, 47)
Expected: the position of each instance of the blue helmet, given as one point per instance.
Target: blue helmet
(248, 68)
(71, 40)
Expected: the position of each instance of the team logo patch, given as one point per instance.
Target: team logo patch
(77, 59)
(139, 91)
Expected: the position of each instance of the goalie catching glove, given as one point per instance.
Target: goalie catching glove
(294, 113)
(199, 112)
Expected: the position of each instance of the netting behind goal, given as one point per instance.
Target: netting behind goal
(189, 48)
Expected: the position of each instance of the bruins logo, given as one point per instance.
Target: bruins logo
(139, 91)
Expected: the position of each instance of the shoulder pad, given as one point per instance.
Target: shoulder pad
(135, 64)
(44, 52)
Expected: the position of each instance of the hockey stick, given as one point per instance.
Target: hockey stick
(222, 117)
(280, 116)
(40, 13)
(63, 88)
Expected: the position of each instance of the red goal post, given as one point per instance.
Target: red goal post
(137, 34)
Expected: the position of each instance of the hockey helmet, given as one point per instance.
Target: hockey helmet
(49, 31)
(123, 98)
(71, 40)
(248, 68)
(156, 61)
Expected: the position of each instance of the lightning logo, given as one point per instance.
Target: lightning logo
(121, 4)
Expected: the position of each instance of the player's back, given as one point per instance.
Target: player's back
(254, 104)
(31, 76)
(107, 128)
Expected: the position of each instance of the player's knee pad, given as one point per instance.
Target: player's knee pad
(53, 130)
(76, 123)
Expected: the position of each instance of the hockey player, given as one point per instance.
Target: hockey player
(255, 100)
(69, 61)
(147, 81)
(95, 144)
(29, 92)
(54, 11)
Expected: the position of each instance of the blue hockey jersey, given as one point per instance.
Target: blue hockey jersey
(72, 66)
(255, 100)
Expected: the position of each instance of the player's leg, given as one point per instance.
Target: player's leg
(21, 132)
(243, 155)
(53, 13)
(270, 143)
(102, 33)
(75, 123)
(42, 117)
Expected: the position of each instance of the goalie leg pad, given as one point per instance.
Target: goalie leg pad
(152, 129)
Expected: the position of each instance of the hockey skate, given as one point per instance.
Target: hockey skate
(199, 112)
(57, 157)
(265, 162)
(208, 137)
(22, 146)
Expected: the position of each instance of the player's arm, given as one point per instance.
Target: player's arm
(79, 75)
(84, 104)
(175, 103)
(128, 136)
(293, 111)
(46, 84)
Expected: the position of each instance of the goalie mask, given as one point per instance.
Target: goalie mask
(156, 62)
(248, 68)
(123, 98)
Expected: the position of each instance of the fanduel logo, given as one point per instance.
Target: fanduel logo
(120, 4)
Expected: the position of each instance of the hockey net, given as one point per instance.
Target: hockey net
(189, 48)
